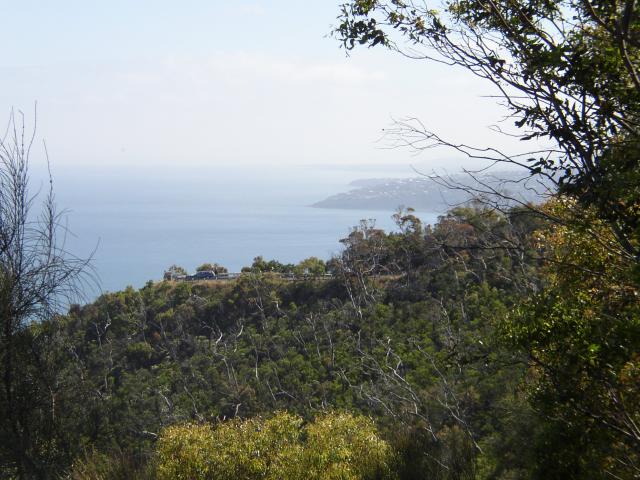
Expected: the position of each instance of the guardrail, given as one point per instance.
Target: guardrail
(236, 275)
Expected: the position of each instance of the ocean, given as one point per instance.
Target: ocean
(136, 222)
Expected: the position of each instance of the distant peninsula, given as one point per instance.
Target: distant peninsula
(431, 194)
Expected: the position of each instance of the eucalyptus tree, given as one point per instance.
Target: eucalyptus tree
(566, 71)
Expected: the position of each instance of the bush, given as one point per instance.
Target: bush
(116, 466)
(335, 446)
(346, 447)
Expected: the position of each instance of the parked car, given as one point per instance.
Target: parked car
(204, 275)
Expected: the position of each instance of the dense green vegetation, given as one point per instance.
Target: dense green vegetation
(568, 73)
(500, 343)
(473, 355)
(417, 350)
(335, 446)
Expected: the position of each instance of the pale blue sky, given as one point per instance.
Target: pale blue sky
(45, 32)
(151, 82)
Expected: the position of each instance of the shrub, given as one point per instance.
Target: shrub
(95, 465)
(346, 447)
(250, 449)
(336, 446)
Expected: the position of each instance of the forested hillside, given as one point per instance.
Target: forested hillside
(422, 330)
(500, 343)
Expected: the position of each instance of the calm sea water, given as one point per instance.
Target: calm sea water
(139, 222)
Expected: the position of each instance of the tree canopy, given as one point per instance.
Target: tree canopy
(567, 72)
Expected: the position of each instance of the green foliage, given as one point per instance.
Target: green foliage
(248, 449)
(261, 265)
(573, 74)
(312, 266)
(174, 271)
(341, 446)
(212, 267)
(491, 345)
(337, 446)
(119, 466)
(582, 333)
(404, 332)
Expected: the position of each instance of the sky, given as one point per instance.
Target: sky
(151, 83)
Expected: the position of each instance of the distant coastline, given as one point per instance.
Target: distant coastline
(431, 194)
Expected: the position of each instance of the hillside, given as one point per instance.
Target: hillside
(422, 336)
(431, 194)
(382, 336)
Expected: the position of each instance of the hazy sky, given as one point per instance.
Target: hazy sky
(151, 82)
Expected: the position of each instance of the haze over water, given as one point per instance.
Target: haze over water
(148, 83)
(143, 220)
